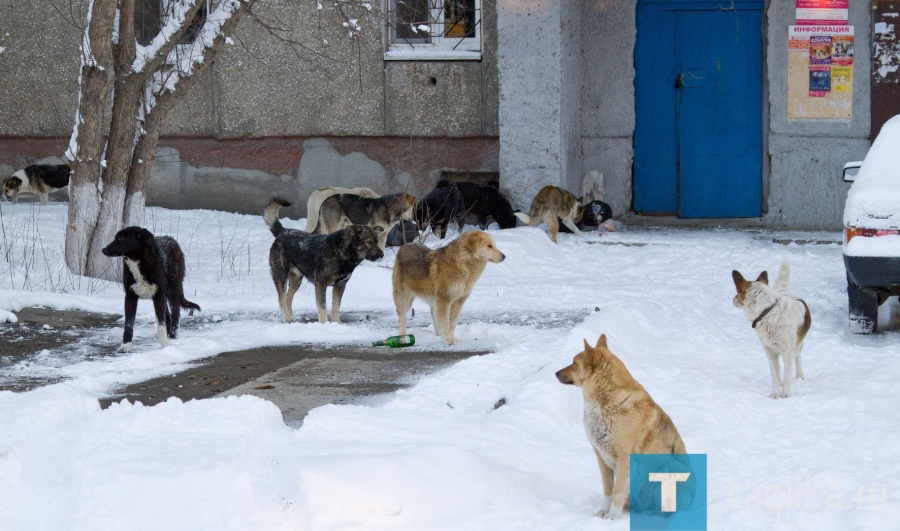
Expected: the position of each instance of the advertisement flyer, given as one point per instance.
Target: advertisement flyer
(841, 78)
(822, 12)
(842, 50)
(820, 50)
(819, 81)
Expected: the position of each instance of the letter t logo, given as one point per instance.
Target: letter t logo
(668, 488)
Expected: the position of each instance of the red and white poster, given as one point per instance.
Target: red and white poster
(822, 12)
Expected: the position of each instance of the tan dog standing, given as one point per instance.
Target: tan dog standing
(552, 204)
(443, 278)
(620, 419)
(781, 321)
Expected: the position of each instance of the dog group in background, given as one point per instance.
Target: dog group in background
(154, 269)
(781, 321)
(620, 419)
(550, 205)
(342, 210)
(443, 278)
(38, 179)
(317, 197)
(323, 259)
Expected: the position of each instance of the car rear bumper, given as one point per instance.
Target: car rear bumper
(874, 271)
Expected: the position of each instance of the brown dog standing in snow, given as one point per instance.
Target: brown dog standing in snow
(443, 278)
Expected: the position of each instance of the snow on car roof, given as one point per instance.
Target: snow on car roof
(874, 198)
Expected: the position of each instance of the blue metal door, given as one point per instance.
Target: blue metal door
(698, 102)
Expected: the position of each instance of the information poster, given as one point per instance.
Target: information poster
(820, 71)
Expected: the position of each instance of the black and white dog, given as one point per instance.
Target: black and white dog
(324, 260)
(154, 269)
(37, 179)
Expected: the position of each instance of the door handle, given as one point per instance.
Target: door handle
(679, 81)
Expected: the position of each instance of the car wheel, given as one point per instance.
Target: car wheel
(863, 309)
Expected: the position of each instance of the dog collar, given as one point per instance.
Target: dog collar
(763, 314)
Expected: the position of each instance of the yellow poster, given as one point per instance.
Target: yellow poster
(842, 78)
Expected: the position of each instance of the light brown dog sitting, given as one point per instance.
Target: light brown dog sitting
(443, 278)
(620, 419)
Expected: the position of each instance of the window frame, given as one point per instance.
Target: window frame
(441, 47)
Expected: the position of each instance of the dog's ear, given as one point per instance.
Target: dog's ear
(473, 242)
(739, 281)
(587, 346)
(764, 278)
(144, 235)
(602, 342)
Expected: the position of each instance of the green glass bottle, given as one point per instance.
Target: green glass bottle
(396, 341)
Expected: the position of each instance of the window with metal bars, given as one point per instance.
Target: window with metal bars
(149, 16)
(439, 25)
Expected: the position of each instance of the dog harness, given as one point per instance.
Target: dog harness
(763, 314)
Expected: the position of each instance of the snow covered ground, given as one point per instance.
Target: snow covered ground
(439, 455)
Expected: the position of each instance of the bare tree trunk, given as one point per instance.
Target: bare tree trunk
(84, 202)
(145, 151)
(120, 145)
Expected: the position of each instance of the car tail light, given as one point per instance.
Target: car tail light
(851, 232)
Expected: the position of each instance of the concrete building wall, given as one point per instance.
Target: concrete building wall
(807, 156)
(531, 43)
(267, 114)
(804, 157)
(572, 70)
(607, 101)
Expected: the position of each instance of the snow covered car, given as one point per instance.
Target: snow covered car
(872, 229)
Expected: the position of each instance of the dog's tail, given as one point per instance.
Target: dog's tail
(188, 305)
(784, 276)
(312, 210)
(532, 218)
(270, 214)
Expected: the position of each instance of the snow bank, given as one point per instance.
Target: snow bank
(493, 442)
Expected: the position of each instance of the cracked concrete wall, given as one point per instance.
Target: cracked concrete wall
(264, 113)
(540, 84)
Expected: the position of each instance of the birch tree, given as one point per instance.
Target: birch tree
(113, 144)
